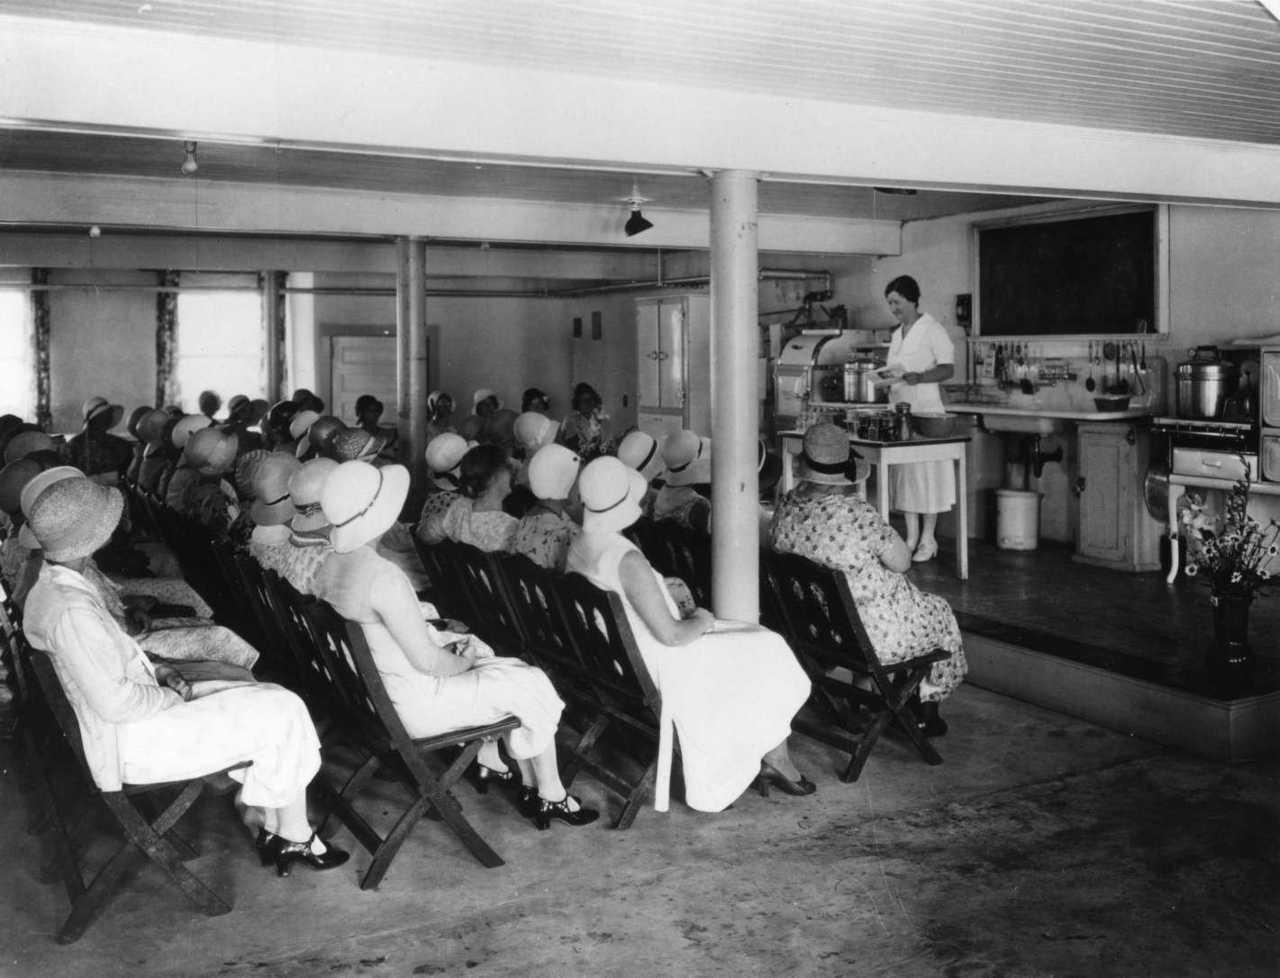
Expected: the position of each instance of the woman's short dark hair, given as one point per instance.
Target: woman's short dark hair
(478, 467)
(588, 394)
(905, 286)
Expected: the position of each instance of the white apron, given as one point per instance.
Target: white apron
(921, 487)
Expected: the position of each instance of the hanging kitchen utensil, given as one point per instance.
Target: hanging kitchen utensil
(1089, 384)
(1144, 356)
(1112, 352)
(1137, 375)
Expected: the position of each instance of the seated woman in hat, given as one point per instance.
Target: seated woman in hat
(823, 519)
(729, 689)
(439, 415)
(438, 681)
(308, 527)
(444, 456)
(272, 509)
(484, 404)
(477, 518)
(688, 460)
(96, 452)
(546, 530)
(584, 429)
(143, 724)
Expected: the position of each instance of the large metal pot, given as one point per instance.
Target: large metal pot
(860, 385)
(1203, 383)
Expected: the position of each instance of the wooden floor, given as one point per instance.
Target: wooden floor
(1132, 624)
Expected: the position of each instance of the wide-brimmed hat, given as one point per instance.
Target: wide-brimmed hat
(135, 418)
(361, 502)
(208, 403)
(31, 492)
(246, 472)
(75, 517)
(322, 432)
(639, 450)
(96, 407)
(533, 430)
(238, 402)
(687, 457)
(26, 440)
(305, 489)
(301, 424)
(444, 453)
(211, 451)
(271, 503)
(552, 472)
(356, 444)
(484, 393)
(829, 460)
(187, 426)
(611, 494)
(151, 427)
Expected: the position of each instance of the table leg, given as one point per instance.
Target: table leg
(882, 489)
(1175, 494)
(962, 523)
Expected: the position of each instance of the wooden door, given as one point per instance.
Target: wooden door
(1106, 498)
(362, 365)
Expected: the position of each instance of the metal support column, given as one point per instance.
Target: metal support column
(411, 353)
(735, 495)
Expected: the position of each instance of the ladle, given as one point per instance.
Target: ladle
(1090, 385)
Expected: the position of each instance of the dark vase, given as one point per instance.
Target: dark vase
(1230, 655)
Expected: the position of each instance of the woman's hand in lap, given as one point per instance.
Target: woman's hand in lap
(166, 675)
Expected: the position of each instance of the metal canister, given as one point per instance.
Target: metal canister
(860, 385)
(1203, 383)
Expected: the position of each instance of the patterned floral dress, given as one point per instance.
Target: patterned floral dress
(848, 534)
(544, 537)
(490, 530)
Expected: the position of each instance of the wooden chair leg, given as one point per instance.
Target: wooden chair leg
(386, 850)
(569, 770)
(639, 795)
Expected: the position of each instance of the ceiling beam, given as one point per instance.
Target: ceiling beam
(59, 71)
(187, 204)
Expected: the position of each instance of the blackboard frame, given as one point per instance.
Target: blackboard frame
(1077, 223)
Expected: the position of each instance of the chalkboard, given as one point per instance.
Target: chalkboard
(1084, 275)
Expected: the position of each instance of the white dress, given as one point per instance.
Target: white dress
(731, 694)
(921, 487)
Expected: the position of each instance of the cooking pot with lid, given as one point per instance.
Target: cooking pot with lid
(860, 385)
(1203, 383)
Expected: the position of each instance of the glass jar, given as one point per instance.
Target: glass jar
(903, 421)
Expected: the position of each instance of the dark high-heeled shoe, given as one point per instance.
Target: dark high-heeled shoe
(528, 802)
(289, 853)
(770, 775)
(547, 810)
(267, 844)
(929, 722)
(481, 777)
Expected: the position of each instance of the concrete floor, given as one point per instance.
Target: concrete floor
(1043, 846)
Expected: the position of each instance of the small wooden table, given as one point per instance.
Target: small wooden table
(881, 455)
(1178, 485)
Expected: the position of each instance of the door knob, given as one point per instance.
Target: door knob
(1078, 488)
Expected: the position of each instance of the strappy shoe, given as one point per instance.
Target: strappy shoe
(547, 810)
(289, 853)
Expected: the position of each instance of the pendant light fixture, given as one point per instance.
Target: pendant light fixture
(637, 222)
(189, 165)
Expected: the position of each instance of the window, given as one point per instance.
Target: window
(17, 354)
(220, 346)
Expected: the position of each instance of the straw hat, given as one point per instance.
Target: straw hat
(238, 402)
(482, 394)
(301, 423)
(533, 430)
(829, 460)
(552, 472)
(611, 495)
(151, 427)
(75, 517)
(136, 416)
(688, 458)
(322, 432)
(13, 479)
(29, 439)
(444, 454)
(246, 471)
(211, 451)
(305, 488)
(639, 450)
(96, 407)
(187, 426)
(31, 493)
(356, 444)
(271, 503)
(362, 502)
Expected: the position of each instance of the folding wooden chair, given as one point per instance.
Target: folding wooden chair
(146, 835)
(625, 694)
(447, 591)
(490, 615)
(686, 554)
(828, 637)
(375, 728)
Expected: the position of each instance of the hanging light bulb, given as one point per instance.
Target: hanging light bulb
(637, 222)
(189, 165)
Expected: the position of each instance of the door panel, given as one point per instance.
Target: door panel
(363, 365)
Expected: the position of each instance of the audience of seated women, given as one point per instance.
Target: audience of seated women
(477, 518)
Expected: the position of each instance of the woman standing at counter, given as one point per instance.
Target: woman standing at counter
(921, 356)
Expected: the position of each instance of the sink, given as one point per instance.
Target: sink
(1023, 424)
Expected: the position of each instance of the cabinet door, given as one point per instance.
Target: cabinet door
(671, 354)
(649, 352)
(1105, 459)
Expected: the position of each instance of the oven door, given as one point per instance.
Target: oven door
(1271, 388)
(1210, 464)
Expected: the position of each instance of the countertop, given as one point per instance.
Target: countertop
(1066, 415)
(914, 440)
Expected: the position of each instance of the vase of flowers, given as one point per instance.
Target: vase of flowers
(1235, 554)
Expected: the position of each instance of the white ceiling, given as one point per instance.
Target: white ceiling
(1197, 68)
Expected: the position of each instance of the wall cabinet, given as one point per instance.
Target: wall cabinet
(1115, 529)
(673, 347)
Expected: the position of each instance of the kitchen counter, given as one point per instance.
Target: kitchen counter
(1060, 413)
